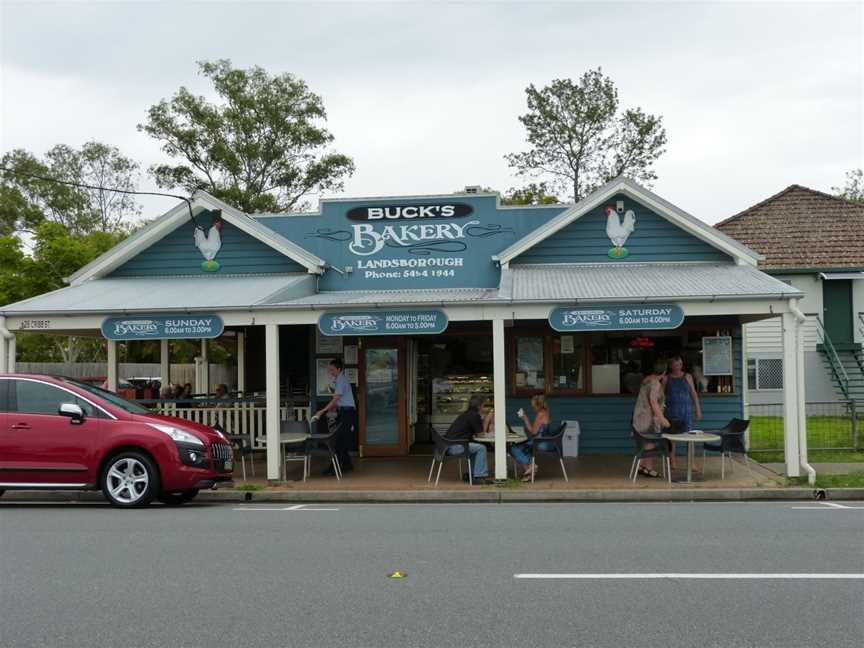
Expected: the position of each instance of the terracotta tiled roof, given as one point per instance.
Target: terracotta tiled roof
(801, 228)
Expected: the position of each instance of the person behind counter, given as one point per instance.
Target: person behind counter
(346, 413)
(521, 452)
(466, 426)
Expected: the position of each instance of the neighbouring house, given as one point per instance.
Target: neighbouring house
(814, 242)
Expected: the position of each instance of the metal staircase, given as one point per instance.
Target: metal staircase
(846, 366)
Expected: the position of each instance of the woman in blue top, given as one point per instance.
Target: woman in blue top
(521, 452)
(682, 401)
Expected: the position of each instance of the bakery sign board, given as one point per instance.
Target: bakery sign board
(162, 328)
(412, 322)
(616, 317)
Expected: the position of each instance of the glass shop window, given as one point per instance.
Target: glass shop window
(568, 366)
(530, 366)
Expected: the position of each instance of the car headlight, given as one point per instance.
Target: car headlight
(178, 435)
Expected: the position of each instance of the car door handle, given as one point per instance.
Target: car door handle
(20, 426)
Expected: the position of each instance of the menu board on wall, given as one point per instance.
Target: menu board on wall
(322, 377)
(350, 354)
(717, 356)
(327, 344)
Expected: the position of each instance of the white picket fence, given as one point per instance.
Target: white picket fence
(247, 419)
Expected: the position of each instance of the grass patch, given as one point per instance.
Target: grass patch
(814, 456)
(766, 432)
(511, 483)
(851, 480)
(250, 487)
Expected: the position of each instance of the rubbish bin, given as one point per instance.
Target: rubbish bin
(571, 439)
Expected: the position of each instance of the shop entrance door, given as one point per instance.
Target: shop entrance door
(383, 407)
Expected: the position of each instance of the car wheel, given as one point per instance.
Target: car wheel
(176, 498)
(130, 479)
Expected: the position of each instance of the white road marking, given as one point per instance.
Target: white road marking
(828, 506)
(295, 507)
(691, 576)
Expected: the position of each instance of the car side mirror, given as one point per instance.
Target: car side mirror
(73, 411)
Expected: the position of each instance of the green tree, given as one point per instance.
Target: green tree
(56, 253)
(854, 188)
(579, 139)
(27, 199)
(262, 148)
(534, 193)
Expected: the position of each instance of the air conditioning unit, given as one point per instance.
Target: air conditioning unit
(473, 189)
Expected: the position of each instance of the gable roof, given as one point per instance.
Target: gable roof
(663, 208)
(802, 228)
(179, 215)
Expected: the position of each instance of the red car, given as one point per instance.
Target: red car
(59, 433)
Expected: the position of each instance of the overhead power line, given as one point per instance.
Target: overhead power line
(82, 185)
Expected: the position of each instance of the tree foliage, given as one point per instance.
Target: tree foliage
(26, 201)
(854, 188)
(260, 149)
(534, 193)
(56, 253)
(579, 139)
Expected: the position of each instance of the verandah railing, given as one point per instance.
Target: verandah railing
(246, 418)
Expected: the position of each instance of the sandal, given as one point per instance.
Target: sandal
(526, 477)
(648, 472)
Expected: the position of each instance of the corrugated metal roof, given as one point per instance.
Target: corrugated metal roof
(375, 297)
(640, 281)
(127, 294)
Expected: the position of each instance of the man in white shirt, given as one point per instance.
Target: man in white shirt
(346, 410)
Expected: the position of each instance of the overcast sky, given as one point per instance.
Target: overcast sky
(425, 96)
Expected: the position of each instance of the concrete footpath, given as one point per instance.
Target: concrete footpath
(481, 495)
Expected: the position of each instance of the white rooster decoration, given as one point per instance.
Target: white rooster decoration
(209, 243)
(619, 231)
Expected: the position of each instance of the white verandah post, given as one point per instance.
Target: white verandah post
(500, 389)
(205, 368)
(112, 365)
(791, 396)
(164, 363)
(11, 351)
(241, 362)
(271, 347)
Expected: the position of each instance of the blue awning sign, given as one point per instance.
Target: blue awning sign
(616, 317)
(423, 322)
(163, 328)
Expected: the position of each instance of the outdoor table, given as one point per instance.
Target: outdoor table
(691, 439)
(509, 439)
(290, 438)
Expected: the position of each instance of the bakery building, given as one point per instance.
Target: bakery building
(429, 300)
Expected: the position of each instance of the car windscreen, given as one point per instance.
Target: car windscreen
(111, 397)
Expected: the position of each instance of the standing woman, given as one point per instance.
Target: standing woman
(682, 401)
(521, 452)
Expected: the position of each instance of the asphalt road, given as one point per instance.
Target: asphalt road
(228, 575)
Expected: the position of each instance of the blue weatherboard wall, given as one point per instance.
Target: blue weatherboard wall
(176, 254)
(329, 234)
(605, 420)
(654, 239)
(457, 254)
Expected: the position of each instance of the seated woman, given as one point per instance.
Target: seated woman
(521, 452)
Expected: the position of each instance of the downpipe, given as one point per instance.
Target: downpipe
(802, 424)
